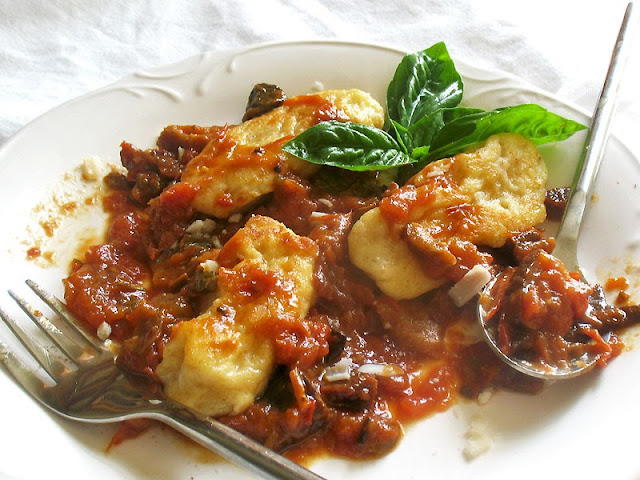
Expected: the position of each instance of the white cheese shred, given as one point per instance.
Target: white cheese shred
(90, 169)
(341, 370)
(469, 285)
(380, 369)
(317, 86)
(201, 227)
(209, 266)
(104, 331)
(485, 396)
(479, 439)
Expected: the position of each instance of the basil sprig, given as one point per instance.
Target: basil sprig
(424, 122)
(352, 146)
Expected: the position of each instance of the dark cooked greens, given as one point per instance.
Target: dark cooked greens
(424, 122)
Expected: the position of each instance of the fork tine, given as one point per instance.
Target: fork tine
(20, 372)
(64, 343)
(53, 367)
(61, 309)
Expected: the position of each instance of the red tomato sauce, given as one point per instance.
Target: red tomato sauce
(145, 278)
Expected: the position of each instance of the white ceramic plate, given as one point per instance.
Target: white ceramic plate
(585, 428)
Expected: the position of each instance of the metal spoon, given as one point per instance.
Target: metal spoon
(567, 235)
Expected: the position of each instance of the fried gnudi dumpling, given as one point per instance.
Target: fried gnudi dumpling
(245, 161)
(476, 197)
(219, 362)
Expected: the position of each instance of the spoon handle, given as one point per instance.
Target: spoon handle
(592, 153)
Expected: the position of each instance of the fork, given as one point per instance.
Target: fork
(91, 388)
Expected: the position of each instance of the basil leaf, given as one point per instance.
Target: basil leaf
(425, 130)
(423, 82)
(529, 120)
(348, 145)
(403, 136)
(424, 116)
(420, 153)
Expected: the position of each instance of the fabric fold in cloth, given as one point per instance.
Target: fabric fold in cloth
(55, 51)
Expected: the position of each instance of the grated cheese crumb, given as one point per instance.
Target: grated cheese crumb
(90, 169)
(104, 331)
(209, 225)
(201, 227)
(478, 438)
(439, 170)
(485, 396)
(471, 284)
(317, 86)
(380, 369)
(341, 370)
(195, 227)
(209, 266)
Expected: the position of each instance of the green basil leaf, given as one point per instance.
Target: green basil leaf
(348, 145)
(529, 120)
(403, 136)
(423, 83)
(420, 153)
(424, 116)
(425, 130)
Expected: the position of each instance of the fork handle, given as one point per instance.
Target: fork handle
(232, 445)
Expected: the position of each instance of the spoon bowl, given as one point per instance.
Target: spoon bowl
(565, 369)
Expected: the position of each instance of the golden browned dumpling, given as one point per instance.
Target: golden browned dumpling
(241, 166)
(387, 259)
(219, 362)
(477, 197)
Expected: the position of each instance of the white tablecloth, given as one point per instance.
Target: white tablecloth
(57, 50)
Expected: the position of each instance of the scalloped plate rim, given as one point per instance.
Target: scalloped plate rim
(442, 421)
